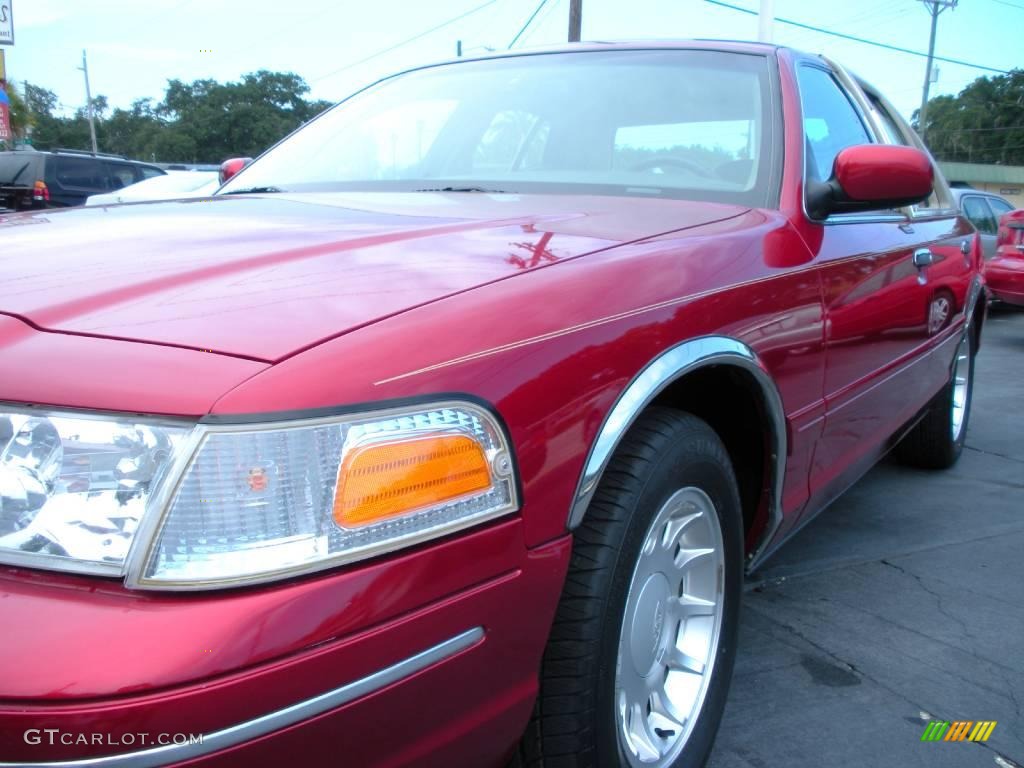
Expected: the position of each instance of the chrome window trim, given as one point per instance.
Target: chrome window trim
(668, 367)
(274, 721)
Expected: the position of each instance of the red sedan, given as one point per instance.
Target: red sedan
(444, 434)
(1004, 273)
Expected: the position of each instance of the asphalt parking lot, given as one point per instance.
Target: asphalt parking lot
(902, 601)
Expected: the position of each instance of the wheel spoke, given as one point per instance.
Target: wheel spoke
(688, 606)
(666, 709)
(643, 738)
(684, 558)
(682, 662)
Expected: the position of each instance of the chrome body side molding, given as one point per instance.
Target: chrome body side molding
(668, 367)
(282, 718)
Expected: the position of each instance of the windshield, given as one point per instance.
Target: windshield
(676, 123)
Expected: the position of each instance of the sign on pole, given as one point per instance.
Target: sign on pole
(5, 116)
(6, 23)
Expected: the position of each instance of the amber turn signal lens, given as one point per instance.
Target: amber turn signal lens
(383, 480)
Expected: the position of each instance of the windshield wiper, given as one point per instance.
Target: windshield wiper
(465, 189)
(254, 191)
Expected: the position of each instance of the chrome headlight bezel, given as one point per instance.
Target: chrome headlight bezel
(143, 547)
(88, 567)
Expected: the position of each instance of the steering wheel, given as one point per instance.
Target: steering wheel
(661, 161)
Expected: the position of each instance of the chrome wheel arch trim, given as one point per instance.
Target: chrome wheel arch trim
(668, 367)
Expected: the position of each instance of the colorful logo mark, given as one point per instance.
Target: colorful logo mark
(958, 730)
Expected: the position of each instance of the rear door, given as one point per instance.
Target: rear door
(76, 178)
(884, 300)
(977, 210)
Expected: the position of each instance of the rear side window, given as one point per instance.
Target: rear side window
(149, 172)
(977, 210)
(831, 124)
(19, 169)
(81, 173)
(121, 175)
(999, 206)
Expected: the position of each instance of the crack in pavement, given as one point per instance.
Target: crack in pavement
(994, 453)
(938, 598)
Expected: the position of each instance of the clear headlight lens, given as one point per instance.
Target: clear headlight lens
(178, 506)
(73, 488)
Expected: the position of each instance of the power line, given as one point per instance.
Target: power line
(1011, 5)
(855, 39)
(529, 21)
(412, 39)
(541, 20)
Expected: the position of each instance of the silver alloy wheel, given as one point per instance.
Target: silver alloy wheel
(961, 387)
(670, 629)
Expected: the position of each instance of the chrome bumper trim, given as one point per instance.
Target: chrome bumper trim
(282, 718)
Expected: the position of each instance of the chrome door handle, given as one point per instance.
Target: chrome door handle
(923, 258)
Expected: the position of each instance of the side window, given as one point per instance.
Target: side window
(831, 124)
(121, 175)
(81, 173)
(999, 206)
(148, 172)
(893, 134)
(896, 131)
(977, 210)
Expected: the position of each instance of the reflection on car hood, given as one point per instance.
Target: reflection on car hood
(264, 276)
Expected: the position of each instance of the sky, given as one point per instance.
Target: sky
(338, 46)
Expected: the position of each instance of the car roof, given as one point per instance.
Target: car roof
(699, 44)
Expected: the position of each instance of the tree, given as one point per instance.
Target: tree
(199, 122)
(984, 123)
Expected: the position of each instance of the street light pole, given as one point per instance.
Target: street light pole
(934, 7)
(575, 20)
(765, 18)
(88, 103)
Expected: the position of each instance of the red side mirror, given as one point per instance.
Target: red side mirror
(872, 177)
(231, 167)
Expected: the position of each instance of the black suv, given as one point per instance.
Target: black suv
(31, 179)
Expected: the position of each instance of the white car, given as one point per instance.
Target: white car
(176, 184)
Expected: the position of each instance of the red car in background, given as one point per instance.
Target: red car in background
(444, 434)
(1004, 273)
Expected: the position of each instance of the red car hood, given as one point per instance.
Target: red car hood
(264, 276)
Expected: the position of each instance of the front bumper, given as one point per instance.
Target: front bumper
(427, 658)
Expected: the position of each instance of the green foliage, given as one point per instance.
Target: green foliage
(983, 124)
(199, 122)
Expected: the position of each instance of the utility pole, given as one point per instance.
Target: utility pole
(934, 7)
(575, 20)
(765, 19)
(88, 103)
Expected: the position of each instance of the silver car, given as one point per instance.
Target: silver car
(984, 210)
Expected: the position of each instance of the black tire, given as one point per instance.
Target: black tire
(931, 444)
(574, 724)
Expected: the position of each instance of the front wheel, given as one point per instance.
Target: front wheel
(937, 440)
(641, 652)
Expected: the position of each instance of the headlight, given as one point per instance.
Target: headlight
(73, 488)
(198, 506)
